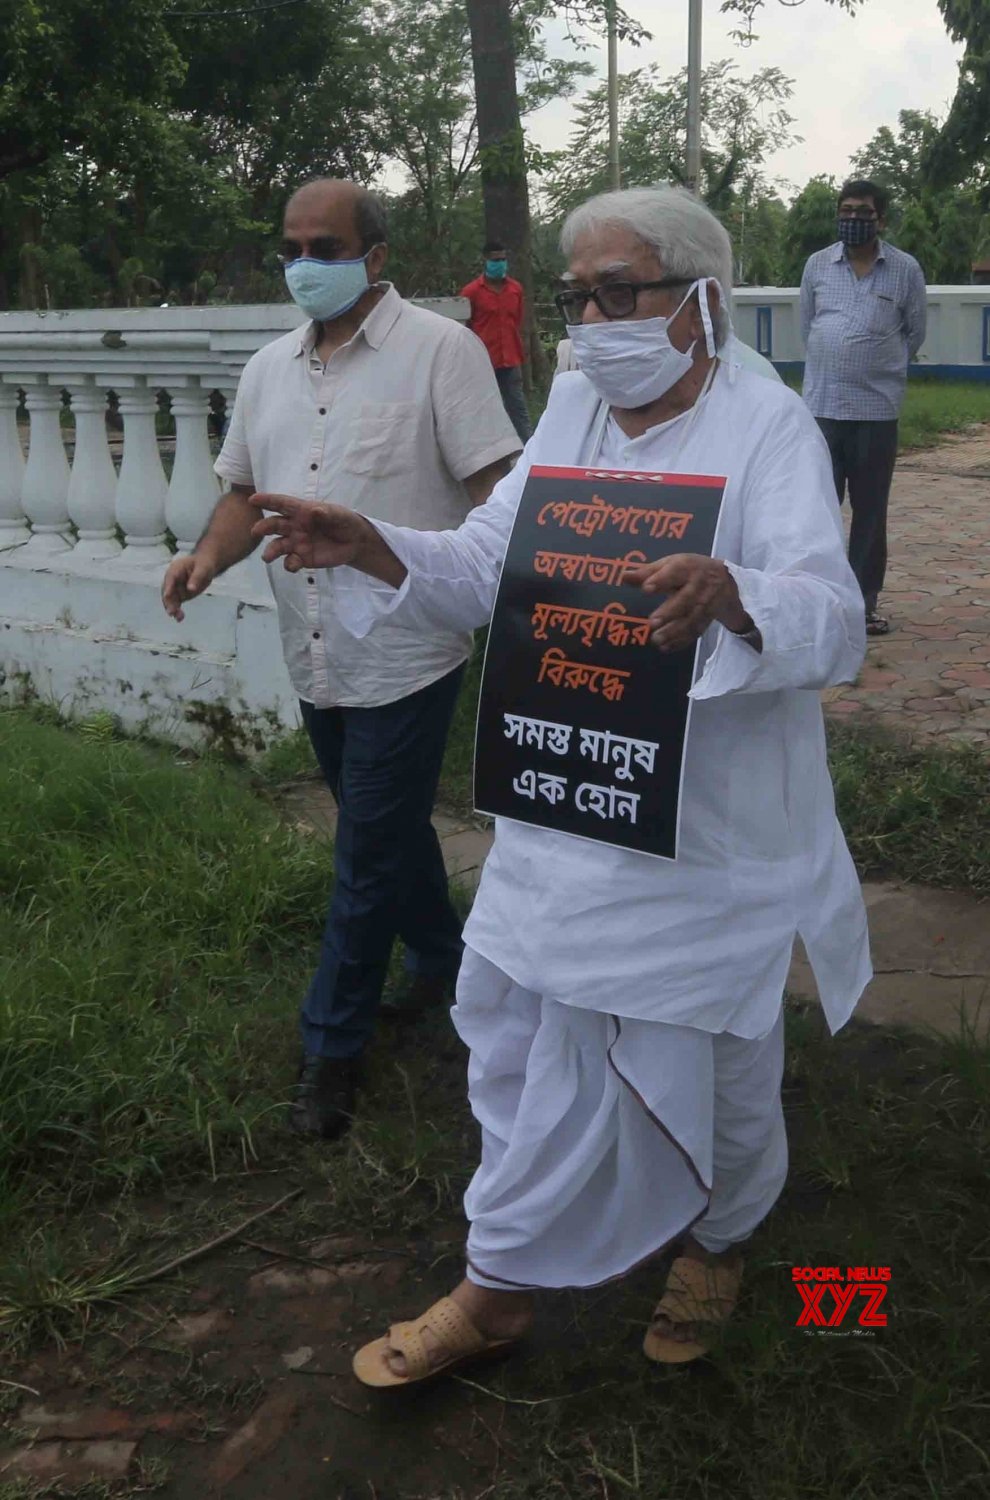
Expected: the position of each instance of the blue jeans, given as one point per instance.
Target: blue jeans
(382, 765)
(510, 384)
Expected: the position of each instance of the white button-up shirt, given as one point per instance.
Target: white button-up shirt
(705, 940)
(391, 426)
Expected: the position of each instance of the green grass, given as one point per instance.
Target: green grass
(155, 923)
(934, 408)
(919, 813)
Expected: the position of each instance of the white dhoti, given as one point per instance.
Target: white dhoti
(605, 1139)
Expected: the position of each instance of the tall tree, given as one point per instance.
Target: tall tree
(964, 141)
(502, 148)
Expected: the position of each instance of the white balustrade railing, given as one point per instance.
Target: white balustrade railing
(142, 489)
(45, 486)
(13, 521)
(88, 509)
(90, 517)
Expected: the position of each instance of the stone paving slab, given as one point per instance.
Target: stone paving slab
(931, 961)
(931, 675)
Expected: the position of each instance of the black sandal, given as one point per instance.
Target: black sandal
(876, 624)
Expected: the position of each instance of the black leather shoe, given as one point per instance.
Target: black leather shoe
(325, 1096)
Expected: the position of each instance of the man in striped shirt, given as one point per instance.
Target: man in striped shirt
(863, 310)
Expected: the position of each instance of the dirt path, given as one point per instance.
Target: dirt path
(931, 675)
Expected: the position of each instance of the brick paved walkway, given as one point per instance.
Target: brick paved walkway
(931, 675)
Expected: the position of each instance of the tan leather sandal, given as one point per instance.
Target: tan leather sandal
(698, 1293)
(453, 1330)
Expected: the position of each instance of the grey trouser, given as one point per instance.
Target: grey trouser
(863, 455)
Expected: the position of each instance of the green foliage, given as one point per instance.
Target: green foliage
(964, 141)
(810, 225)
(81, 73)
(744, 119)
(156, 922)
(174, 193)
(942, 227)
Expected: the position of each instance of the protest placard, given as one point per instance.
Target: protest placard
(582, 723)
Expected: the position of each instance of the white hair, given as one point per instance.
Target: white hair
(683, 234)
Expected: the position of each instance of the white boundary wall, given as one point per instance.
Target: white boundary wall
(957, 345)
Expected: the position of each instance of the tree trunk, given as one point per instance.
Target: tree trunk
(502, 155)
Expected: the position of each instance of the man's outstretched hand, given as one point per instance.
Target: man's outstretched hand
(310, 534)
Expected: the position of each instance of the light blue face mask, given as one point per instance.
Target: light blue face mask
(325, 289)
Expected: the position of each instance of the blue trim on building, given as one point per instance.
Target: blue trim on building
(764, 332)
(795, 367)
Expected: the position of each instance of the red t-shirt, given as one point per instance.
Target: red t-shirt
(496, 317)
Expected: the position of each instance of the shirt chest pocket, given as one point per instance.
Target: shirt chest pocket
(381, 439)
(881, 313)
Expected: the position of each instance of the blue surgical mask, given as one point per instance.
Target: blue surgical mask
(496, 269)
(325, 289)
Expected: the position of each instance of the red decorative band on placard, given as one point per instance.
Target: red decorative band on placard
(694, 481)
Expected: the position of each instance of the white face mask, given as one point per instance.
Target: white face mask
(631, 361)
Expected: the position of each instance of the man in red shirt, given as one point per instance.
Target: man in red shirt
(496, 317)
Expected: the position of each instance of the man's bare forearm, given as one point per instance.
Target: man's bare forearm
(227, 539)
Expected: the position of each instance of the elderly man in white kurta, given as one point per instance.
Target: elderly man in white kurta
(624, 1013)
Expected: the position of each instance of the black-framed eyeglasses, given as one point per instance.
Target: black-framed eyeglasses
(858, 213)
(326, 249)
(613, 299)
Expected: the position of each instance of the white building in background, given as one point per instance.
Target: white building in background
(87, 531)
(957, 346)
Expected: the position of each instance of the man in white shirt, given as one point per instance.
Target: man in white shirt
(393, 411)
(624, 1013)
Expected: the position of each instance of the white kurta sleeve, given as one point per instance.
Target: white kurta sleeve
(793, 576)
(452, 576)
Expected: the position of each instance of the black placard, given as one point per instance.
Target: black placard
(582, 723)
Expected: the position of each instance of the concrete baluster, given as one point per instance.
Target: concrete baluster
(93, 483)
(142, 489)
(46, 473)
(193, 490)
(13, 522)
